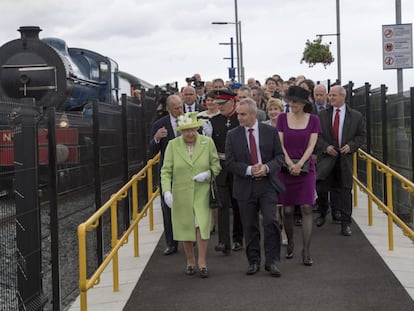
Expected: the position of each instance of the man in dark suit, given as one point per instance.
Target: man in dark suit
(320, 94)
(162, 131)
(222, 123)
(343, 132)
(254, 155)
(190, 100)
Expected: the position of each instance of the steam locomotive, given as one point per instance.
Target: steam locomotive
(69, 79)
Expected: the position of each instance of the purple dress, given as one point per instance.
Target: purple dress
(299, 189)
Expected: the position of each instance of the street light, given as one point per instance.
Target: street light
(231, 69)
(239, 50)
(338, 39)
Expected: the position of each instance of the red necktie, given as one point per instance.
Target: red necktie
(336, 126)
(253, 148)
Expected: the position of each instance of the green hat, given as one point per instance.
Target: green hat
(188, 120)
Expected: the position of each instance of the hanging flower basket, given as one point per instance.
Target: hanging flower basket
(316, 52)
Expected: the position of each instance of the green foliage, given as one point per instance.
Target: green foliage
(316, 52)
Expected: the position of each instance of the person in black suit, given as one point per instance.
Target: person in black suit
(320, 94)
(190, 100)
(222, 123)
(254, 155)
(162, 131)
(335, 155)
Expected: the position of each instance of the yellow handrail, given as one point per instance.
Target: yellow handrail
(388, 208)
(92, 223)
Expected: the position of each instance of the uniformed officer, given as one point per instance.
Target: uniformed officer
(222, 123)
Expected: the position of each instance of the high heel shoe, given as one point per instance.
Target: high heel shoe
(289, 250)
(190, 270)
(307, 260)
(204, 272)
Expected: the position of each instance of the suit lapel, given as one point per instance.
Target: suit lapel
(169, 128)
(347, 125)
(243, 140)
(329, 122)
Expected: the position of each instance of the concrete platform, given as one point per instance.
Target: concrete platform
(102, 297)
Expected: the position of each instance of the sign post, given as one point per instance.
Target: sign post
(397, 46)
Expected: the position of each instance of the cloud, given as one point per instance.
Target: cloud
(162, 40)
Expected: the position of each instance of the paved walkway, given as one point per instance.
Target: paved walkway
(102, 298)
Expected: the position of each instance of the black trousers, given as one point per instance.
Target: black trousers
(166, 216)
(341, 196)
(262, 199)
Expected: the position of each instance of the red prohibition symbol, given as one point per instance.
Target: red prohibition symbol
(388, 33)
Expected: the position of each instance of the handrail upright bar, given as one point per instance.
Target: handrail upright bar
(390, 206)
(150, 194)
(114, 242)
(134, 216)
(369, 185)
(82, 267)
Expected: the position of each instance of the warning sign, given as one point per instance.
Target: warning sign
(397, 46)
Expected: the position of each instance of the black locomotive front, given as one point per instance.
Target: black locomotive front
(53, 74)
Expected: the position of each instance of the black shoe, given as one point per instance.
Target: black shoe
(190, 270)
(307, 260)
(236, 247)
(336, 216)
(346, 230)
(320, 221)
(219, 247)
(204, 273)
(170, 250)
(222, 248)
(253, 269)
(289, 250)
(274, 271)
(298, 221)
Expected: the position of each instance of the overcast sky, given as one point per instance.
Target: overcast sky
(167, 40)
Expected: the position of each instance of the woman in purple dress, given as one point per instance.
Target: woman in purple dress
(298, 131)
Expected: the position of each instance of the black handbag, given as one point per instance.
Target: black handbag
(304, 169)
(214, 197)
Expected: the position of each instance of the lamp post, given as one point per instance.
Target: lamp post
(338, 40)
(231, 69)
(239, 49)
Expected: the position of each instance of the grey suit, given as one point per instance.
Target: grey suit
(336, 172)
(254, 194)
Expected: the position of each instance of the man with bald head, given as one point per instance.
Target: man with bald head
(190, 100)
(162, 131)
(343, 132)
(320, 96)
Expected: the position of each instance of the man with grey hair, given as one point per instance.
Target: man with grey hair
(162, 131)
(254, 155)
(246, 92)
(343, 132)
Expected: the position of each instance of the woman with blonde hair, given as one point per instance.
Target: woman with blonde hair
(274, 108)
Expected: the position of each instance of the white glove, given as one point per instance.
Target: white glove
(207, 128)
(203, 176)
(168, 198)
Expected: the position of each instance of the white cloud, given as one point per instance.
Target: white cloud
(161, 41)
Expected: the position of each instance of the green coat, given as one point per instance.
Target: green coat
(190, 198)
